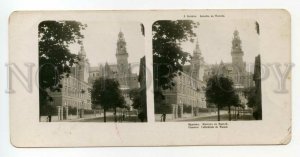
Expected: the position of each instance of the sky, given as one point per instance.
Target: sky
(100, 42)
(214, 36)
(215, 39)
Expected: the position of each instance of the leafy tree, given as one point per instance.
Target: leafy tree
(139, 102)
(220, 91)
(55, 58)
(168, 56)
(163, 108)
(235, 102)
(187, 108)
(106, 93)
(250, 95)
(119, 102)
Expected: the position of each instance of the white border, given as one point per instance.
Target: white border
(291, 150)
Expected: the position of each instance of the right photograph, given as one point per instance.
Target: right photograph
(207, 70)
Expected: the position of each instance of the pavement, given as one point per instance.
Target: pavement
(224, 117)
(94, 118)
(206, 116)
(110, 119)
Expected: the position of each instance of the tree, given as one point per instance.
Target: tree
(138, 97)
(168, 56)
(106, 93)
(235, 102)
(250, 95)
(55, 58)
(220, 91)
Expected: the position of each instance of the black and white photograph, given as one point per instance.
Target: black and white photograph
(206, 70)
(92, 71)
(138, 78)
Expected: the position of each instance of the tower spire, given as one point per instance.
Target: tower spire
(197, 63)
(197, 51)
(82, 51)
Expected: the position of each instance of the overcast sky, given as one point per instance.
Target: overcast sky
(215, 39)
(100, 42)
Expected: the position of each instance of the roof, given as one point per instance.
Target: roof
(113, 67)
(94, 69)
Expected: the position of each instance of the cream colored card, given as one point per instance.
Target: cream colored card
(115, 43)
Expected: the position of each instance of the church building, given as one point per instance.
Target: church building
(236, 70)
(121, 70)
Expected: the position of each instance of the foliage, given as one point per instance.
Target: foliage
(135, 96)
(163, 108)
(48, 110)
(89, 112)
(235, 100)
(72, 110)
(187, 108)
(55, 58)
(220, 91)
(251, 96)
(168, 56)
(106, 92)
(138, 97)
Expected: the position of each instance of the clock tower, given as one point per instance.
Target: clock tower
(122, 55)
(237, 53)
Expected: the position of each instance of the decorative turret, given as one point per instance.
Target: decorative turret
(107, 71)
(82, 51)
(197, 63)
(197, 51)
(82, 68)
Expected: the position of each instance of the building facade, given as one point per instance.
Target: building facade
(189, 89)
(75, 91)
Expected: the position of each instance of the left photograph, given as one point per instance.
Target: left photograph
(92, 71)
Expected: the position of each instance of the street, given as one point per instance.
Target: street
(208, 116)
(222, 117)
(109, 118)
